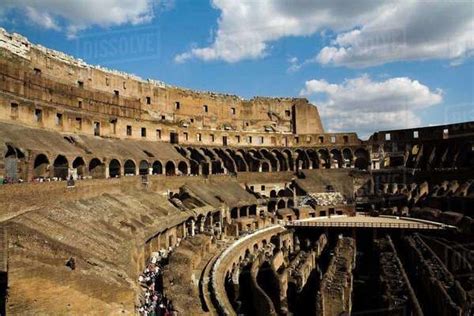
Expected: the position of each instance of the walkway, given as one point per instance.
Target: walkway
(363, 221)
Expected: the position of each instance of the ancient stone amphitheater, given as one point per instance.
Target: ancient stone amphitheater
(122, 195)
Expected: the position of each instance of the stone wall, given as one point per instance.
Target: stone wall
(44, 88)
(336, 287)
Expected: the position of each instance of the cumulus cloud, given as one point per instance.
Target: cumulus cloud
(246, 27)
(411, 30)
(73, 16)
(366, 105)
(368, 32)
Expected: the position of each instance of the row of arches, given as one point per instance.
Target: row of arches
(199, 161)
(62, 169)
(222, 160)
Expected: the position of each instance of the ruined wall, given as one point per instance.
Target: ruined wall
(44, 88)
(336, 287)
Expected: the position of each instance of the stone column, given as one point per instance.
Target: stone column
(192, 227)
(201, 224)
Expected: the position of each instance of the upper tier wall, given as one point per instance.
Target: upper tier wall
(71, 96)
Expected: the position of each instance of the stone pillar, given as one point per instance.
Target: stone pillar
(201, 224)
(150, 170)
(185, 231)
(192, 227)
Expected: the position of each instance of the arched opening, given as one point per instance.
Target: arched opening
(130, 169)
(80, 166)
(361, 159)
(205, 168)
(234, 213)
(253, 210)
(271, 206)
(243, 211)
(217, 167)
(114, 168)
(239, 161)
(289, 158)
(96, 169)
(313, 157)
(265, 166)
(157, 167)
(183, 168)
(273, 194)
(170, 168)
(61, 167)
(41, 166)
(347, 156)
(281, 204)
(336, 158)
(227, 160)
(302, 161)
(281, 160)
(285, 192)
(143, 168)
(324, 158)
(14, 159)
(194, 168)
(290, 203)
(271, 158)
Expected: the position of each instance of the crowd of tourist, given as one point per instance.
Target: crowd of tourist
(154, 302)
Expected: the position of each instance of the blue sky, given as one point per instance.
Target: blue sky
(376, 65)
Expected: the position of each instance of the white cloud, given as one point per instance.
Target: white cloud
(366, 106)
(246, 27)
(410, 30)
(369, 32)
(77, 15)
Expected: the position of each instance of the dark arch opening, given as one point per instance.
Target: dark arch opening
(324, 158)
(143, 168)
(217, 167)
(205, 168)
(271, 206)
(347, 155)
(234, 213)
(170, 168)
(239, 161)
(183, 168)
(265, 166)
(290, 203)
(313, 158)
(194, 167)
(41, 166)
(337, 158)
(289, 158)
(61, 167)
(281, 160)
(253, 210)
(114, 168)
(80, 166)
(281, 204)
(130, 169)
(157, 167)
(14, 159)
(96, 169)
(362, 159)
